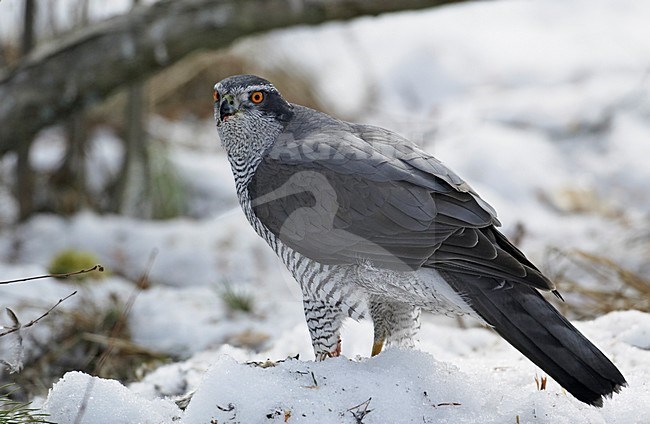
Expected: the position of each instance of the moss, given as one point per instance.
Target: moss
(70, 260)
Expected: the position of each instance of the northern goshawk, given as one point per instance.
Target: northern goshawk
(368, 223)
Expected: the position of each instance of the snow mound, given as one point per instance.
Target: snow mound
(494, 384)
(389, 388)
(398, 386)
(80, 398)
(630, 327)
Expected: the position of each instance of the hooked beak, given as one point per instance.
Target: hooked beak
(228, 108)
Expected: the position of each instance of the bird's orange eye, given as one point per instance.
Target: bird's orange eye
(257, 97)
(215, 96)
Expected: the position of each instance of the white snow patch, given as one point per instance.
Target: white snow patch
(80, 398)
(484, 382)
(400, 386)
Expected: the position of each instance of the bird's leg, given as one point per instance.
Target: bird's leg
(324, 323)
(394, 322)
(377, 307)
(377, 346)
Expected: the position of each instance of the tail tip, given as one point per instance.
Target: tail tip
(598, 401)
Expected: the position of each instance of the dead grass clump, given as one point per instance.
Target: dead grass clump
(80, 340)
(236, 299)
(613, 287)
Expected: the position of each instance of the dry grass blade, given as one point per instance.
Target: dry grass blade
(616, 288)
(124, 346)
(628, 277)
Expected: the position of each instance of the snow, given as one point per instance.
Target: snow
(99, 398)
(542, 106)
(396, 383)
(471, 376)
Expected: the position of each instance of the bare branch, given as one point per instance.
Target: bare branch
(87, 66)
(66, 275)
(34, 321)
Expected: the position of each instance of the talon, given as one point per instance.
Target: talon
(377, 346)
(330, 354)
(337, 352)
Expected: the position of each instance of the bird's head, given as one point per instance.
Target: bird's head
(248, 110)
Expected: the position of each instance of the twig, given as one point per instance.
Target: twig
(361, 411)
(269, 363)
(364, 403)
(313, 378)
(66, 275)
(34, 321)
(436, 405)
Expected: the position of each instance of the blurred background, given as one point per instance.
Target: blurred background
(108, 154)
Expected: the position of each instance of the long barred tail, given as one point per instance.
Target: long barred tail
(528, 322)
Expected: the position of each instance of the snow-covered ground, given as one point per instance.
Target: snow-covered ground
(543, 106)
(464, 376)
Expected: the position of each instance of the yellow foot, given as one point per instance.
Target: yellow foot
(377, 346)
